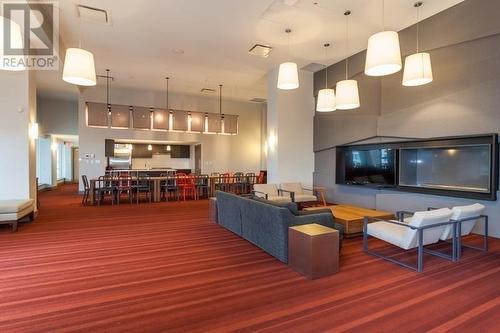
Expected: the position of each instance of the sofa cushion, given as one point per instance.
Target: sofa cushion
(269, 189)
(305, 198)
(291, 206)
(463, 212)
(293, 187)
(15, 206)
(391, 233)
(279, 198)
(425, 218)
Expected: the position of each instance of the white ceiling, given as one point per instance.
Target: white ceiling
(140, 43)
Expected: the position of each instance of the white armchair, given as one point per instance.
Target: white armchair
(270, 192)
(466, 218)
(298, 192)
(423, 228)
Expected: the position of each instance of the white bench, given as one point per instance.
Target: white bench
(11, 211)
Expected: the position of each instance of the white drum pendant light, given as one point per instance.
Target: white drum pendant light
(326, 96)
(288, 75)
(383, 56)
(16, 42)
(79, 67)
(347, 90)
(418, 67)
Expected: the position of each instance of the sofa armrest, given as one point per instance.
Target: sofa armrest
(308, 189)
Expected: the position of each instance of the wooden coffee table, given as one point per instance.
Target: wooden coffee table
(352, 217)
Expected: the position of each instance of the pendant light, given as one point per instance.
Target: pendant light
(107, 92)
(326, 96)
(79, 67)
(16, 42)
(383, 56)
(347, 90)
(288, 75)
(418, 67)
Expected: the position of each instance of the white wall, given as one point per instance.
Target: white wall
(162, 161)
(57, 116)
(18, 165)
(220, 153)
(290, 124)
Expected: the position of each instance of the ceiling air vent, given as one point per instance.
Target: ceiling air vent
(207, 90)
(260, 50)
(258, 100)
(313, 67)
(94, 14)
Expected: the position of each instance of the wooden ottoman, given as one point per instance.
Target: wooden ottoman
(313, 250)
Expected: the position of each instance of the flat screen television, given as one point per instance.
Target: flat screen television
(369, 167)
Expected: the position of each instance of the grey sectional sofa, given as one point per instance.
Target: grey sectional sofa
(264, 223)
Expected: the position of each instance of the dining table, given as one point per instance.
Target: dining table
(156, 184)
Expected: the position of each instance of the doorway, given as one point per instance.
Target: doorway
(197, 159)
(76, 164)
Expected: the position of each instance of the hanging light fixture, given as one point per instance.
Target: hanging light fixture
(107, 92)
(288, 75)
(383, 56)
(326, 96)
(79, 67)
(16, 42)
(347, 90)
(418, 67)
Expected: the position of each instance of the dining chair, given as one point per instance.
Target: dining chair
(238, 184)
(104, 186)
(141, 184)
(250, 179)
(186, 185)
(86, 190)
(123, 184)
(202, 185)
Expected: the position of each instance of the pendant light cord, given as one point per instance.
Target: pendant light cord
(288, 32)
(326, 45)
(418, 5)
(383, 15)
(220, 99)
(346, 14)
(167, 78)
(107, 90)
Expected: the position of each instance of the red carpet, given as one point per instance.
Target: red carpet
(164, 267)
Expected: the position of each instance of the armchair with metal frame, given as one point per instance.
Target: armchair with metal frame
(423, 230)
(466, 218)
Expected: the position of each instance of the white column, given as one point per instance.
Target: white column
(290, 115)
(18, 166)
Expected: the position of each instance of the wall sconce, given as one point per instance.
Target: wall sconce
(150, 147)
(169, 148)
(272, 141)
(33, 131)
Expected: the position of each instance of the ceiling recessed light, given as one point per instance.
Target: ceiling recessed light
(260, 50)
(178, 51)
